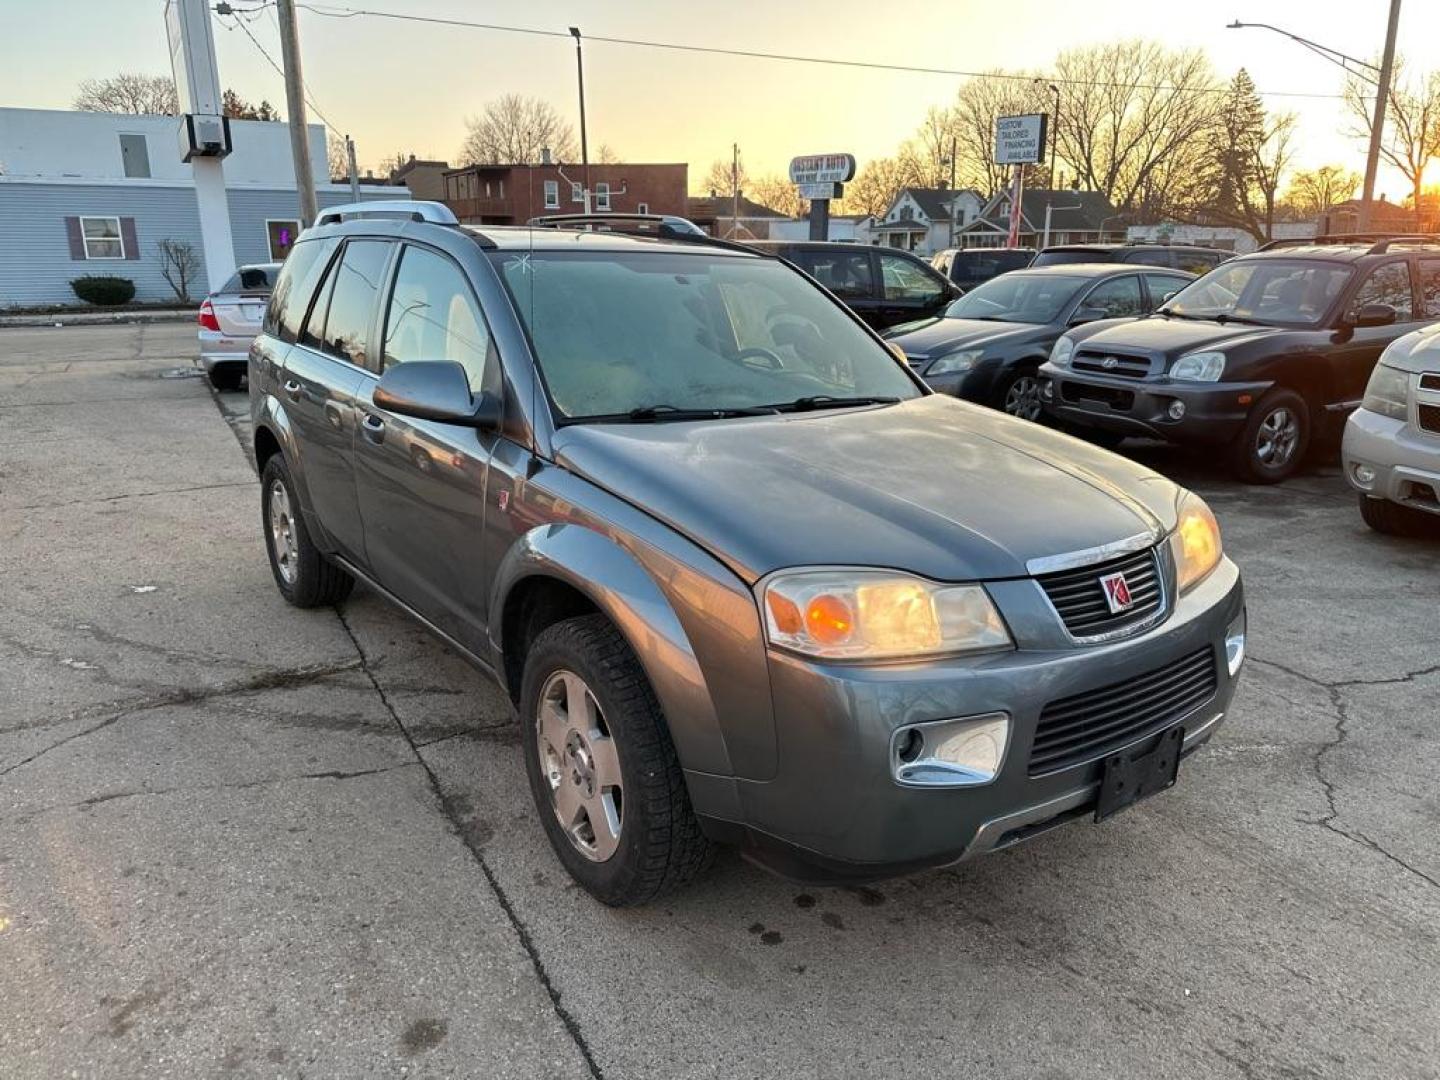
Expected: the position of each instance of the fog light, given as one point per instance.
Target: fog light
(1047, 390)
(950, 753)
(1235, 644)
(1176, 410)
(1364, 476)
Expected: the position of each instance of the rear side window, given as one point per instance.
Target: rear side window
(1059, 258)
(1197, 262)
(294, 286)
(845, 273)
(434, 316)
(353, 287)
(905, 280)
(1150, 258)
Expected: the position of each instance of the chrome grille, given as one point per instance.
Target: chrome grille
(1430, 381)
(1085, 726)
(1127, 367)
(1429, 417)
(1079, 598)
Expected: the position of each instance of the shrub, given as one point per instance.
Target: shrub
(103, 290)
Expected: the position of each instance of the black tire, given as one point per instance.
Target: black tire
(1392, 519)
(226, 376)
(1280, 422)
(660, 845)
(312, 580)
(1017, 393)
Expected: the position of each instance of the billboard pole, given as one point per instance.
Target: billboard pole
(1017, 192)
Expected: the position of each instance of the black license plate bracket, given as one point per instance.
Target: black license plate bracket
(1137, 774)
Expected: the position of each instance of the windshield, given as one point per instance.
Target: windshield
(1018, 297)
(982, 265)
(1291, 291)
(1067, 258)
(617, 331)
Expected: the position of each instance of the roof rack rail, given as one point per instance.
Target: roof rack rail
(437, 213)
(1379, 242)
(662, 226)
(1382, 246)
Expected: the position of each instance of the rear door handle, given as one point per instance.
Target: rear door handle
(373, 427)
(292, 388)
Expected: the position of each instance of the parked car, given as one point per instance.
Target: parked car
(885, 287)
(968, 267)
(1391, 449)
(988, 345)
(1256, 358)
(1194, 260)
(684, 506)
(229, 319)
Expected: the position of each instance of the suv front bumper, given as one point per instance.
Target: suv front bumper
(1214, 412)
(1405, 463)
(834, 811)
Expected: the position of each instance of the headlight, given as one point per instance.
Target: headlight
(955, 362)
(1063, 349)
(878, 615)
(1199, 367)
(1387, 392)
(1195, 543)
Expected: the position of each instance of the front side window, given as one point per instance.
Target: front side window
(294, 287)
(845, 273)
(1264, 290)
(281, 237)
(552, 194)
(102, 238)
(616, 331)
(434, 316)
(354, 288)
(1018, 297)
(1387, 284)
(1117, 298)
(1430, 287)
(1163, 285)
(602, 196)
(905, 280)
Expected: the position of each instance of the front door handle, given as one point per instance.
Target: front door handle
(292, 388)
(373, 427)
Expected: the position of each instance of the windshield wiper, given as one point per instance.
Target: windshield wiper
(1224, 318)
(653, 413)
(826, 401)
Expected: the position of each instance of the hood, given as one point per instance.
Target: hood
(1171, 337)
(935, 486)
(939, 336)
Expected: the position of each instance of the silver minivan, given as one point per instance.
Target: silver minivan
(1392, 442)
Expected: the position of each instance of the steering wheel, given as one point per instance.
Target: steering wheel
(760, 359)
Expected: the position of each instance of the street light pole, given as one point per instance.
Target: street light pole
(584, 143)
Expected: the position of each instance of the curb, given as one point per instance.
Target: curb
(96, 318)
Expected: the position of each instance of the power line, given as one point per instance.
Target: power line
(350, 13)
(237, 13)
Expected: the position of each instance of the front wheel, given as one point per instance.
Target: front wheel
(1019, 394)
(1275, 439)
(603, 771)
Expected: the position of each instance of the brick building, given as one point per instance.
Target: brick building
(513, 194)
(425, 179)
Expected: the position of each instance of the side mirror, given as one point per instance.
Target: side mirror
(1374, 315)
(1170, 296)
(1085, 313)
(436, 390)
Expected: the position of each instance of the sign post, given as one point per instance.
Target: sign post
(820, 178)
(1020, 141)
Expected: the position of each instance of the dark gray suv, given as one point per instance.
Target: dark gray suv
(685, 507)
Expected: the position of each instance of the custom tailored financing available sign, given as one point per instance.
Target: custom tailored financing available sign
(1020, 140)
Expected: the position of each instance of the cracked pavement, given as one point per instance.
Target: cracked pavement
(240, 839)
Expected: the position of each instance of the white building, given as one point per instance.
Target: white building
(927, 220)
(1217, 236)
(95, 193)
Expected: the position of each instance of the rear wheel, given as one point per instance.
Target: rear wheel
(1275, 439)
(1019, 394)
(303, 574)
(1392, 519)
(226, 376)
(603, 771)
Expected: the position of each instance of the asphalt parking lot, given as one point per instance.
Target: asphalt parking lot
(241, 839)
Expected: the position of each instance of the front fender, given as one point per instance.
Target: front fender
(622, 587)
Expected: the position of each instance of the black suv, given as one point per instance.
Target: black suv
(1194, 260)
(1257, 357)
(885, 287)
(968, 267)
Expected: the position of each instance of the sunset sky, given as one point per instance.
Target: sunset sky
(398, 86)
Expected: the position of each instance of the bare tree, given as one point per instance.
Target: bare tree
(780, 195)
(1412, 123)
(1314, 191)
(389, 166)
(971, 128)
(606, 155)
(1251, 150)
(875, 187)
(719, 181)
(337, 157)
(1136, 123)
(128, 92)
(513, 130)
(178, 266)
(237, 108)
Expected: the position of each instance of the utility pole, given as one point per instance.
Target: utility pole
(295, 102)
(1377, 126)
(354, 172)
(584, 143)
(735, 189)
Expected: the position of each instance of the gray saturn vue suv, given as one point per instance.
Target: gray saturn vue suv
(685, 507)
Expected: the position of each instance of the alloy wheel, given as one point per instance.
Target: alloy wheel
(1277, 438)
(282, 533)
(581, 765)
(1022, 398)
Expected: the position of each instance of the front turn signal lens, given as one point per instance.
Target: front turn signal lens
(1195, 543)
